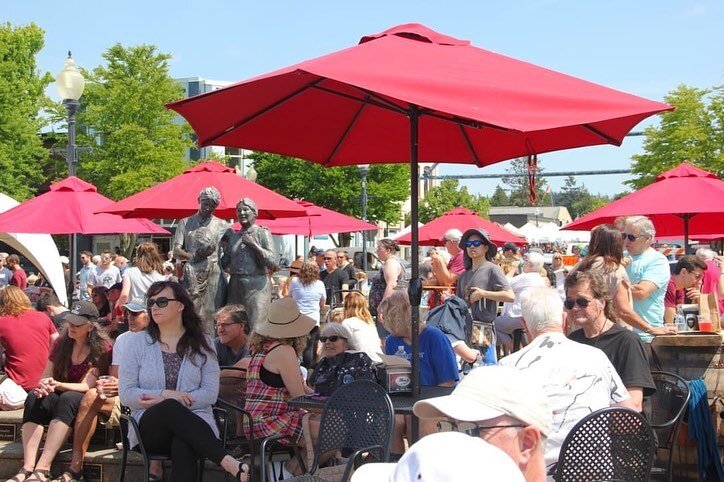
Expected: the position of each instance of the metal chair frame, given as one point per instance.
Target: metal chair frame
(609, 444)
(667, 430)
(340, 426)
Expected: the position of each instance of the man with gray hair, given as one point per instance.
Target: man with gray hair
(648, 272)
(446, 272)
(577, 378)
(202, 225)
(510, 319)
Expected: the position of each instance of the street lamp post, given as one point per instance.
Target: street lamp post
(70, 84)
(363, 169)
(537, 213)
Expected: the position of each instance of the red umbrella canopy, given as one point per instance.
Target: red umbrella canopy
(318, 220)
(70, 208)
(682, 192)
(177, 197)
(461, 218)
(354, 106)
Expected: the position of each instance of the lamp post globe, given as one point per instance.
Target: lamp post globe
(70, 84)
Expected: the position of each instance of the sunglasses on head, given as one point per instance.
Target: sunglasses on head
(581, 302)
(161, 302)
(333, 338)
(475, 242)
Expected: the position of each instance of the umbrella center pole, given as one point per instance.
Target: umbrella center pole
(414, 290)
(686, 217)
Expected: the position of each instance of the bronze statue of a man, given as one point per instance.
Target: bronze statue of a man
(196, 242)
(248, 257)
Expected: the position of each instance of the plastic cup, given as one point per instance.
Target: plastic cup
(705, 324)
(100, 385)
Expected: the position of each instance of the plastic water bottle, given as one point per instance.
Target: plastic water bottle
(401, 352)
(680, 319)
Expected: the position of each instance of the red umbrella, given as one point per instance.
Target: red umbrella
(411, 94)
(683, 201)
(461, 218)
(70, 208)
(318, 220)
(178, 197)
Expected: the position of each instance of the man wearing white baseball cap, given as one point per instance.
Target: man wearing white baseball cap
(430, 460)
(503, 406)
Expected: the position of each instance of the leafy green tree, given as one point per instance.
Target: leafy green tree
(136, 141)
(588, 204)
(693, 133)
(449, 195)
(518, 187)
(22, 97)
(337, 188)
(499, 197)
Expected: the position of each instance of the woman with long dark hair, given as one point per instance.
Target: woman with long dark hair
(169, 378)
(80, 355)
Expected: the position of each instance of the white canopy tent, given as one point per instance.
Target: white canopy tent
(551, 233)
(39, 249)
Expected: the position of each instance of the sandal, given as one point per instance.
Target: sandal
(243, 472)
(25, 474)
(37, 474)
(155, 478)
(70, 476)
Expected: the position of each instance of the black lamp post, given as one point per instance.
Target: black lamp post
(70, 84)
(363, 169)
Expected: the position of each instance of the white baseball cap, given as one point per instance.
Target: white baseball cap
(442, 457)
(490, 392)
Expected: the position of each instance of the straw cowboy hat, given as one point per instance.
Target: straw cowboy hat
(285, 320)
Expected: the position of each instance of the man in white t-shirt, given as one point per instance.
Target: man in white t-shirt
(510, 319)
(106, 274)
(578, 379)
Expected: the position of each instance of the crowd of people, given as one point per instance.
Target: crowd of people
(135, 337)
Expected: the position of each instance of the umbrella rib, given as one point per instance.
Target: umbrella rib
(346, 133)
(470, 144)
(382, 104)
(210, 140)
(608, 138)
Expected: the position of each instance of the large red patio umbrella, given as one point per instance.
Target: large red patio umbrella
(70, 208)
(178, 197)
(460, 218)
(411, 94)
(683, 201)
(318, 220)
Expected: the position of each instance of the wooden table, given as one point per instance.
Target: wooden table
(401, 402)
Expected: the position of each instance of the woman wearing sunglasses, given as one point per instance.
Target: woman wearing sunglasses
(483, 284)
(169, 377)
(341, 363)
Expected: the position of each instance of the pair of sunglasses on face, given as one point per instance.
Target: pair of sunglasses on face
(333, 338)
(161, 302)
(630, 237)
(474, 242)
(581, 302)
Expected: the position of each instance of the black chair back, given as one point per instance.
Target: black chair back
(609, 444)
(668, 405)
(358, 415)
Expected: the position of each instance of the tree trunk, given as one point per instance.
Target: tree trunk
(128, 244)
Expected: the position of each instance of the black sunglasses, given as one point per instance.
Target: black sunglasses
(333, 338)
(630, 237)
(161, 302)
(581, 302)
(475, 242)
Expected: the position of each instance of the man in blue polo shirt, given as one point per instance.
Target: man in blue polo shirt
(649, 275)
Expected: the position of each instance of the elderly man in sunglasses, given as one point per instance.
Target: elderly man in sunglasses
(577, 378)
(649, 275)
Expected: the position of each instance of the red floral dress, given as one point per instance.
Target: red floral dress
(268, 405)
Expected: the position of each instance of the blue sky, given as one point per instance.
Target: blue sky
(645, 47)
